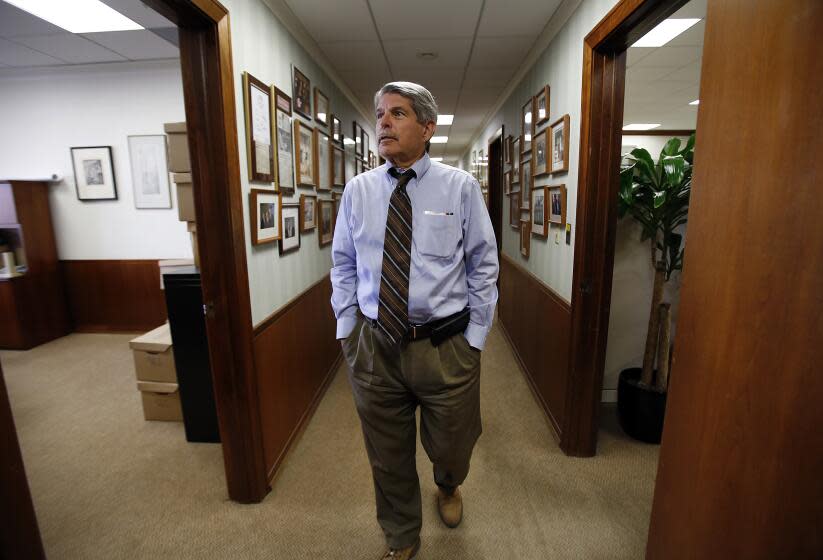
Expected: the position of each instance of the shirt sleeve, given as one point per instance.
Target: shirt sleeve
(482, 267)
(344, 271)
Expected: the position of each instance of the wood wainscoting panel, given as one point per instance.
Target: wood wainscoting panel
(114, 295)
(296, 355)
(536, 322)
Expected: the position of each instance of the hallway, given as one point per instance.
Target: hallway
(107, 484)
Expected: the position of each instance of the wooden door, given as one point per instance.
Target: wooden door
(741, 463)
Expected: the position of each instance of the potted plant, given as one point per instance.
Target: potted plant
(656, 195)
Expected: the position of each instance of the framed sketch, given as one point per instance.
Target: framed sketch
(557, 204)
(516, 162)
(514, 210)
(304, 150)
(336, 131)
(338, 162)
(321, 107)
(560, 145)
(290, 240)
(93, 173)
(526, 126)
(525, 237)
(357, 134)
(301, 91)
(540, 215)
(149, 172)
(322, 161)
(541, 105)
(526, 183)
(308, 212)
(257, 103)
(326, 221)
(283, 141)
(540, 153)
(266, 210)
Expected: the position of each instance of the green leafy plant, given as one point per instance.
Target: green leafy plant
(656, 195)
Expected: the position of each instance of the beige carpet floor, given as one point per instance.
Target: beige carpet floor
(106, 484)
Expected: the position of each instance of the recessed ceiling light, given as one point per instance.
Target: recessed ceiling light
(695, 102)
(437, 159)
(528, 138)
(665, 31)
(640, 126)
(439, 139)
(78, 16)
(445, 119)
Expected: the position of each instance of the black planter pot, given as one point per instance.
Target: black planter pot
(640, 410)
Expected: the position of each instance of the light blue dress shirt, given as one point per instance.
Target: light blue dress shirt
(454, 254)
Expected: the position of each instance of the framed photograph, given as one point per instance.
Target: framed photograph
(326, 217)
(266, 218)
(560, 145)
(541, 105)
(290, 240)
(526, 183)
(322, 161)
(557, 205)
(357, 134)
(257, 102)
(308, 212)
(516, 162)
(336, 131)
(338, 156)
(304, 150)
(301, 91)
(540, 216)
(525, 237)
(93, 173)
(514, 210)
(507, 182)
(283, 141)
(540, 153)
(526, 126)
(321, 107)
(507, 150)
(149, 172)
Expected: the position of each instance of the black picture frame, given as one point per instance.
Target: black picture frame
(301, 93)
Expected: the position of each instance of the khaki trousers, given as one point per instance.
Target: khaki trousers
(389, 382)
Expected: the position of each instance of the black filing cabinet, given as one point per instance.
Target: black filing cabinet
(184, 302)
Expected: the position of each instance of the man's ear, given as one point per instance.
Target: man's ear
(428, 132)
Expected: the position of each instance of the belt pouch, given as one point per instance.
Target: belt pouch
(452, 326)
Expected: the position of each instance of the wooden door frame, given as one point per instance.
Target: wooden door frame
(496, 194)
(601, 124)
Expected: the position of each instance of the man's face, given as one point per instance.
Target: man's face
(400, 138)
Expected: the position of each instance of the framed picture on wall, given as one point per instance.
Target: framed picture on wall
(304, 150)
(526, 183)
(257, 103)
(525, 237)
(336, 131)
(283, 140)
(560, 145)
(290, 240)
(540, 153)
(326, 217)
(301, 91)
(557, 204)
(514, 210)
(336, 197)
(516, 162)
(321, 107)
(526, 126)
(351, 162)
(357, 134)
(308, 212)
(474, 164)
(338, 156)
(507, 182)
(507, 150)
(540, 215)
(322, 161)
(93, 173)
(481, 163)
(541, 105)
(266, 215)
(149, 172)
(365, 143)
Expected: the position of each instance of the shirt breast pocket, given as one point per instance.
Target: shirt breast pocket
(437, 234)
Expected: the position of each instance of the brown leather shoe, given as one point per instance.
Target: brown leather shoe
(403, 553)
(450, 507)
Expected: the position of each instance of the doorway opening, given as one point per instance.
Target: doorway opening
(495, 163)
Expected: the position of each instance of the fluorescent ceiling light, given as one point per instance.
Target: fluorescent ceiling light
(445, 119)
(528, 138)
(640, 126)
(439, 139)
(666, 31)
(78, 16)
(348, 141)
(436, 159)
(695, 102)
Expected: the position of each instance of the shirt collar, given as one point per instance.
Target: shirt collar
(420, 166)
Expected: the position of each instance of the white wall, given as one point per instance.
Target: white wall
(45, 112)
(263, 46)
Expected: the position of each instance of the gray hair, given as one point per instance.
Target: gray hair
(422, 101)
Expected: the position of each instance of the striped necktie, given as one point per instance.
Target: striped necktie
(393, 309)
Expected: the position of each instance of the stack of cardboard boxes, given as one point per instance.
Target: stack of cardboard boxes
(180, 167)
(156, 375)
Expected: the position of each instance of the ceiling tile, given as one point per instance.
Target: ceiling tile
(357, 55)
(689, 73)
(426, 19)
(135, 45)
(485, 78)
(13, 54)
(341, 20)
(431, 78)
(516, 17)
(693, 36)
(672, 56)
(15, 22)
(139, 13)
(452, 53)
(497, 52)
(641, 74)
(636, 54)
(74, 49)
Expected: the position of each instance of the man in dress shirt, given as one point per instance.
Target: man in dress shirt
(430, 358)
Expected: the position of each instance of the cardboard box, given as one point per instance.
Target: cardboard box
(161, 401)
(185, 197)
(154, 356)
(178, 143)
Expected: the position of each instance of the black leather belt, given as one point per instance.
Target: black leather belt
(438, 330)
